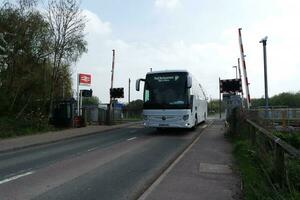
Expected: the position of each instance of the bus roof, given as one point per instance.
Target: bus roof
(167, 71)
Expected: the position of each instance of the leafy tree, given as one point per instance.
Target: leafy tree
(284, 99)
(288, 99)
(135, 105)
(36, 52)
(87, 101)
(25, 63)
(133, 109)
(66, 26)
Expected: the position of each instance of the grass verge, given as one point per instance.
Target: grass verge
(257, 183)
(255, 186)
(10, 127)
(292, 138)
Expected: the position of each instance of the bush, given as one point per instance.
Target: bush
(292, 138)
(12, 127)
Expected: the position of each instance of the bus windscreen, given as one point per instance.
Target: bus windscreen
(166, 90)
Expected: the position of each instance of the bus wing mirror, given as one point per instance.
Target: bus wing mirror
(137, 84)
(189, 82)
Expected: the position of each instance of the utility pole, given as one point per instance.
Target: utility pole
(112, 71)
(264, 42)
(129, 90)
(111, 86)
(78, 96)
(236, 74)
(80, 107)
(220, 104)
(211, 104)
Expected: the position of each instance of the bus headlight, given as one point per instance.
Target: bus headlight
(185, 117)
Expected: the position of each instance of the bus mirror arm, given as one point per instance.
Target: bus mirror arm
(189, 82)
(137, 84)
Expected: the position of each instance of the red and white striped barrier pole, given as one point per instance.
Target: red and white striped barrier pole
(240, 74)
(244, 69)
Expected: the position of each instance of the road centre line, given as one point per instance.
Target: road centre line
(131, 138)
(16, 177)
(92, 149)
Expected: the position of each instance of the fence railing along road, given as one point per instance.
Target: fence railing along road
(279, 160)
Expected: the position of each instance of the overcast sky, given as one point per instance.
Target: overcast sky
(197, 35)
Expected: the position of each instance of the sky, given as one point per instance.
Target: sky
(196, 35)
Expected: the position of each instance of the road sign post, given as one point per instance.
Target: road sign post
(82, 80)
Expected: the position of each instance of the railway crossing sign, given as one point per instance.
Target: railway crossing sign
(85, 79)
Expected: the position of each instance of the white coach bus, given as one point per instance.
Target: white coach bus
(172, 99)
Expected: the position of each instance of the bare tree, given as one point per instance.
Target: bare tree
(27, 4)
(66, 24)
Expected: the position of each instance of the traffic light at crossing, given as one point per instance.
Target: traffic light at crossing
(230, 85)
(87, 93)
(117, 92)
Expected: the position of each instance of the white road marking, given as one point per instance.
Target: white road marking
(131, 138)
(204, 126)
(92, 149)
(16, 177)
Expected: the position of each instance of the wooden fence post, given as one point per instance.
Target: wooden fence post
(283, 117)
(279, 165)
(253, 135)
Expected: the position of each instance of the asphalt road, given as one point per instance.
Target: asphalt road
(118, 164)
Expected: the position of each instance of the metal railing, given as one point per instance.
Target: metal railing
(279, 116)
(279, 161)
(100, 116)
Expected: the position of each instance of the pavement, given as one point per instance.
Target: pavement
(21, 142)
(204, 171)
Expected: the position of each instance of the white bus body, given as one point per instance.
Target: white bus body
(172, 99)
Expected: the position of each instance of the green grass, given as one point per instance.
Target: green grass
(257, 183)
(255, 186)
(11, 127)
(292, 138)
